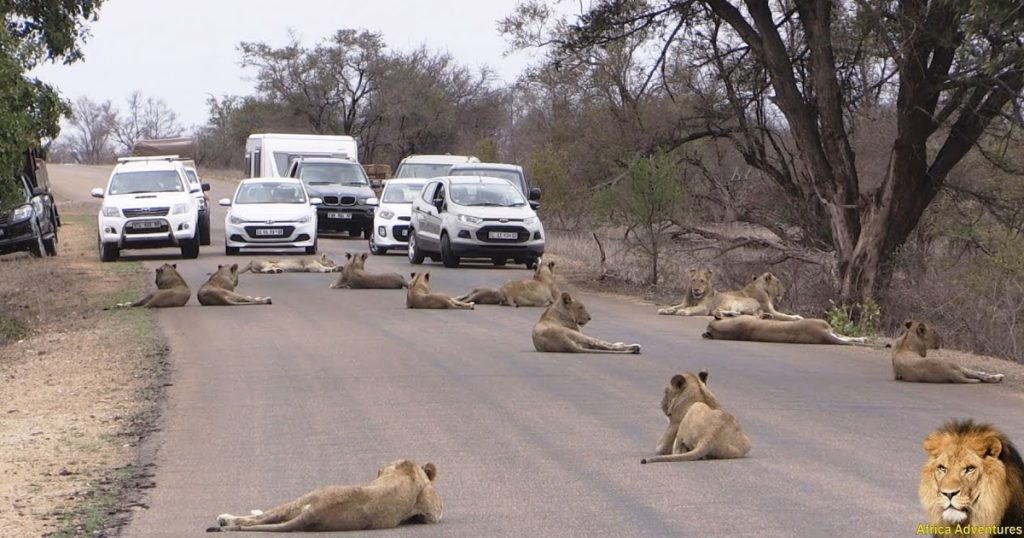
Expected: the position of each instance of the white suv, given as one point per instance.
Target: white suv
(457, 217)
(148, 203)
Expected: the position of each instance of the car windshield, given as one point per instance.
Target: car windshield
(401, 193)
(487, 194)
(510, 175)
(333, 173)
(423, 170)
(146, 181)
(270, 193)
(283, 161)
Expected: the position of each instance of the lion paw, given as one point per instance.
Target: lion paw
(635, 349)
(255, 512)
(666, 311)
(225, 519)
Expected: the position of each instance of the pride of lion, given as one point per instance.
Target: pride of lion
(974, 475)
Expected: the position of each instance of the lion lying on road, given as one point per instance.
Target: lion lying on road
(402, 492)
(559, 331)
(320, 264)
(171, 290)
(802, 331)
(219, 290)
(353, 275)
(756, 298)
(419, 296)
(974, 477)
(541, 290)
(910, 360)
(697, 426)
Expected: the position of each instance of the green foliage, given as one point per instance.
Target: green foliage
(857, 319)
(12, 329)
(487, 150)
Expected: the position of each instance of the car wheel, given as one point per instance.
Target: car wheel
(499, 262)
(50, 245)
(415, 256)
(312, 249)
(367, 232)
(108, 252)
(374, 249)
(447, 258)
(230, 251)
(37, 248)
(190, 248)
(204, 231)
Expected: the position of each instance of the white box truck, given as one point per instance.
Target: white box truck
(271, 154)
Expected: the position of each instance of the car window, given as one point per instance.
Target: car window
(270, 193)
(283, 161)
(146, 181)
(487, 194)
(401, 193)
(192, 177)
(428, 193)
(422, 170)
(509, 175)
(333, 173)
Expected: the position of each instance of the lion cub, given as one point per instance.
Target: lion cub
(541, 290)
(419, 295)
(353, 275)
(697, 426)
(402, 492)
(219, 290)
(910, 360)
(558, 331)
(321, 264)
(171, 290)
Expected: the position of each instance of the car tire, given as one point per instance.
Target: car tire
(367, 232)
(374, 249)
(204, 231)
(190, 248)
(499, 262)
(415, 256)
(312, 249)
(108, 251)
(231, 251)
(447, 257)
(37, 248)
(50, 245)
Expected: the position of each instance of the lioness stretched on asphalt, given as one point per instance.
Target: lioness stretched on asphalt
(802, 331)
(171, 290)
(559, 331)
(697, 426)
(756, 298)
(320, 264)
(402, 492)
(910, 361)
(541, 290)
(419, 295)
(219, 290)
(353, 275)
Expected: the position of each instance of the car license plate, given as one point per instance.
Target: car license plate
(147, 224)
(339, 215)
(502, 235)
(269, 231)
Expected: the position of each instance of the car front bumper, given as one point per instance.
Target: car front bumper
(391, 233)
(147, 232)
(15, 237)
(339, 218)
(278, 235)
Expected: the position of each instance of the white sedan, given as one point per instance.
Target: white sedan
(270, 213)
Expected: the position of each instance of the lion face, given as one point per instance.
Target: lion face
(684, 390)
(771, 285)
(326, 262)
(923, 334)
(575, 309)
(700, 282)
(964, 480)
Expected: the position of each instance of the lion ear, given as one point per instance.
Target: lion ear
(174, 265)
(234, 268)
(678, 381)
(933, 443)
(431, 471)
(990, 446)
(426, 276)
(412, 275)
(364, 256)
(908, 323)
(921, 329)
(551, 265)
(566, 298)
(691, 271)
(703, 375)
(348, 255)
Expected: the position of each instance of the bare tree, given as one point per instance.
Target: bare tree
(145, 118)
(92, 126)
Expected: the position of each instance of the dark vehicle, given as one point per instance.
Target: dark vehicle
(348, 199)
(29, 220)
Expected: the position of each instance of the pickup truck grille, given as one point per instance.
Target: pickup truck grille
(145, 212)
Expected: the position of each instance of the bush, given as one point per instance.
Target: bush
(858, 319)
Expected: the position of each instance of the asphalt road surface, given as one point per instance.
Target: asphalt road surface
(326, 386)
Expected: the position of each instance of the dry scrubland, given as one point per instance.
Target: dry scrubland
(80, 385)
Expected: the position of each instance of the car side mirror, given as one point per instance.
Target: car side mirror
(226, 202)
(316, 201)
(206, 186)
(38, 191)
(376, 184)
(534, 205)
(535, 194)
(96, 193)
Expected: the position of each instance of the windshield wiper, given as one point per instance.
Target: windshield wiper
(487, 204)
(351, 183)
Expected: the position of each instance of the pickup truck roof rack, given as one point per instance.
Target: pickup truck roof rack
(152, 158)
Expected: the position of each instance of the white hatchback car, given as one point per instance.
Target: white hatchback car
(270, 213)
(392, 216)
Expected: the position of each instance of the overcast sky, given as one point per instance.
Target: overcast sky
(185, 50)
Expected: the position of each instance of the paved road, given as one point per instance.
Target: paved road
(325, 386)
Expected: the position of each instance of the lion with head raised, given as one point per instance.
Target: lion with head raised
(757, 298)
(974, 477)
(699, 297)
(911, 363)
(558, 331)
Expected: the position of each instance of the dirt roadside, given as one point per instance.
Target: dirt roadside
(79, 386)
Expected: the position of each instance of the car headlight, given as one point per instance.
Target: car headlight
(178, 209)
(110, 211)
(304, 218)
(385, 214)
(469, 219)
(368, 201)
(530, 221)
(21, 213)
(236, 220)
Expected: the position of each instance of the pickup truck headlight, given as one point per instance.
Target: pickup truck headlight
(530, 221)
(385, 214)
(178, 209)
(111, 211)
(20, 213)
(236, 220)
(469, 219)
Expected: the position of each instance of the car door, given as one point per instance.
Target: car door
(428, 231)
